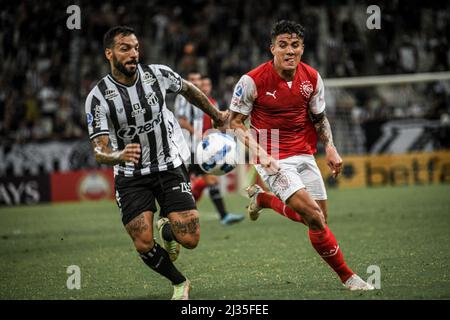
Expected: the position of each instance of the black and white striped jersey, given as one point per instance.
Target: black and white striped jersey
(194, 116)
(138, 114)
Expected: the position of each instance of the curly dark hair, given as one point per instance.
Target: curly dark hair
(108, 38)
(286, 26)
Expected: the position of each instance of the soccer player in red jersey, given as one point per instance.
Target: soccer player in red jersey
(284, 99)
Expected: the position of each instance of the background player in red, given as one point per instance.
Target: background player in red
(284, 99)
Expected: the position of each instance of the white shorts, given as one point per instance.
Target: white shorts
(296, 172)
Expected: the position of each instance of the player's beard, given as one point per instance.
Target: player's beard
(121, 67)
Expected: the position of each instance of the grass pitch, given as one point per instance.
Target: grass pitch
(403, 230)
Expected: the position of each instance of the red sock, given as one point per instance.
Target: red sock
(198, 185)
(326, 246)
(267, 200)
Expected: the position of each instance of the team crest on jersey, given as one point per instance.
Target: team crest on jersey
(149, 78)
(306, 89)
(152, 99)
(111, 94)
(137, 109)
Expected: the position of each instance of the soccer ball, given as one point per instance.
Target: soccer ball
(216, 154)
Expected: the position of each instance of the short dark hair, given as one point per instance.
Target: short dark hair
(108, 38)
(286, 26)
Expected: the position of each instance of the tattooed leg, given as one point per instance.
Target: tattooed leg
(140, 230)
(152, 254)
(185, 227)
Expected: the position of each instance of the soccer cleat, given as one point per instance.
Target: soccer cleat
(172, 247)
(253, 209)
(231, 218)
(356, 283)
(181, 291)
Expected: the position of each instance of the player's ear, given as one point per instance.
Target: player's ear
(108, 53)
(272, 48)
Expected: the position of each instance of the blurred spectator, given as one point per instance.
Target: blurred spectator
(41, 99)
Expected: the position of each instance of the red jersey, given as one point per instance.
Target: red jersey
(279, 110)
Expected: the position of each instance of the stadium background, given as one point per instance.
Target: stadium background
(394, 136)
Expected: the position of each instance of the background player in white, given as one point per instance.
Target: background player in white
(287, 95)
(196, 123)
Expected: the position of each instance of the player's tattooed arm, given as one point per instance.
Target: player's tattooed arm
(201, 101)
(323, 129)
(105, 155)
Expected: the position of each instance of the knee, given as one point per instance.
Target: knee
(144, 245)
(315, 218)
(190, 242)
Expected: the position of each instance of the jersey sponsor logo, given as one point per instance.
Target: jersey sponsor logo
(129, 132)
(111, 94)
(306, 89)
(96, 119)
(149, 78)
(89, 118)
(137, 109)
(271, 94)
(152, 99)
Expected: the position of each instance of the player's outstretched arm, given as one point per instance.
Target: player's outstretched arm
(201, 101)
(323, 129)
(104, 154)
(237, 123)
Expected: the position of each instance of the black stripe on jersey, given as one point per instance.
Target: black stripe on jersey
(131, 121)
(191, 108)
(165, 142)
(112, 114)
(148, 116)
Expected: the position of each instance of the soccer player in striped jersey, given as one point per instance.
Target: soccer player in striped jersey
(285, 101)
(131, 128)
(195, 123)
